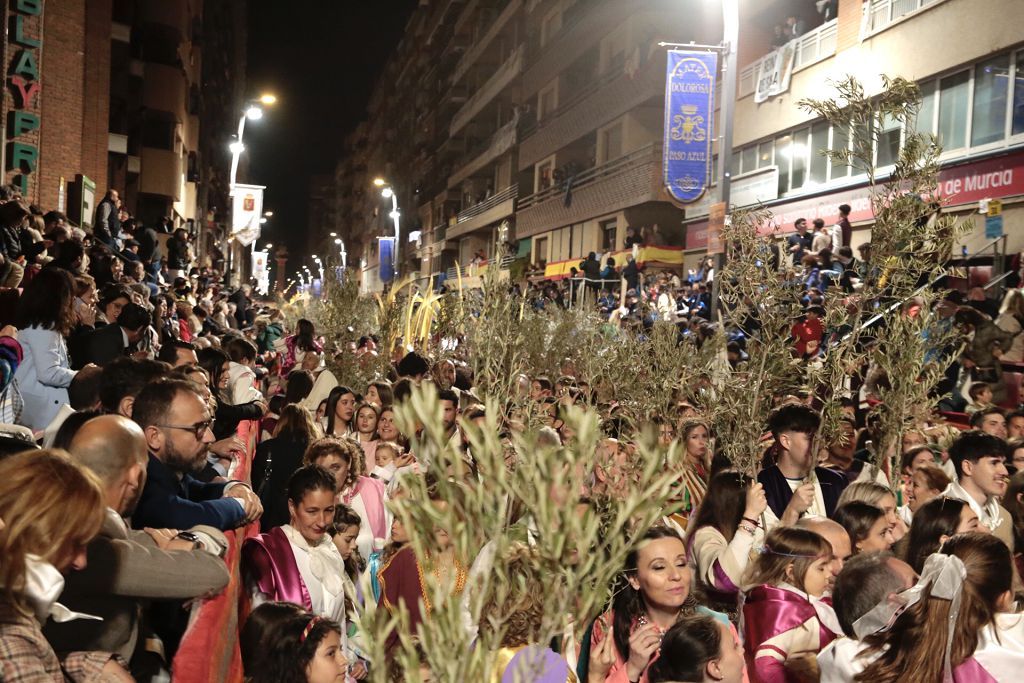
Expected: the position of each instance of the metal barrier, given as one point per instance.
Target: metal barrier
(209, 649)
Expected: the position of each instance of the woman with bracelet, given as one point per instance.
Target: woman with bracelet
(652, 593)
(723, 533)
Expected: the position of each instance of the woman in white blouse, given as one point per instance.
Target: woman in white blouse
(721, 536)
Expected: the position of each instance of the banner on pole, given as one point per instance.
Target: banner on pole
(246, 211)
(387, 258)
(689, 114)
(774, 72)
(260, 271)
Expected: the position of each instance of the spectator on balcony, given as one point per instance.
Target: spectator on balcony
(591, 268)
(631, 272)
(795, 27)
(779, 38)
(633, 238)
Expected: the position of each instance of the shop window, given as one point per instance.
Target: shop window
(954, 92)
(991, 91)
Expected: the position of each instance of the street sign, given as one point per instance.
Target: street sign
(993, 225)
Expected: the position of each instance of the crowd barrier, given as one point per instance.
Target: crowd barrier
(209, 649)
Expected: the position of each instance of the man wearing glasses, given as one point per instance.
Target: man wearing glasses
(179, 431)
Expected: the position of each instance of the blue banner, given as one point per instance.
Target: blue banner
(689, 114)
(387, 258)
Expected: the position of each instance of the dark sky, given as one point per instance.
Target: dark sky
(321, 58)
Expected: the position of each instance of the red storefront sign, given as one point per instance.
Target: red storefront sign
(994, 178)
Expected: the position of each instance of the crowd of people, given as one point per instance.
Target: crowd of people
(124, 389)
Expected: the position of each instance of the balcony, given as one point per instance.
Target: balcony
(812, 47)
(490, 210)
(164, 89)
(499, 143)
(172, 13)
(595, 105)
(505, 74)
(884, 12)
(161, 173)
(624, 182)
(480, 46)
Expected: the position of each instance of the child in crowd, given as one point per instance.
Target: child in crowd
(343, 531)
(981, 397)
(785, 587)
(388, 453)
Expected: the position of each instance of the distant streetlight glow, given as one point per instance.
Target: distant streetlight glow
(263, 221)
(254, 113)
(337, 241)
(236, 147)
(268, 98)
(379, 182)
(268, 214)
(269, 246)
(387, 193)
(334, 234)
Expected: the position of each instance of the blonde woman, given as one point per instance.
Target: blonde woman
(40, 491)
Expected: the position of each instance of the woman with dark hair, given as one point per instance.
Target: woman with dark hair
(957, 624)
(300, 383)
(68, 254)
(298, 562)
(277, 458)
(295, 347)
(698, 649)
(379, 393)
(341, 408)
(216, 363)
(303, 649)
(722, 535)
(45, 317)
(866, 525)
(934, 522)
(367, 416)
(651, 594)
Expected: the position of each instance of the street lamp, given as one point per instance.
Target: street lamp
(252, 112)
(730, 36)
(388, 192)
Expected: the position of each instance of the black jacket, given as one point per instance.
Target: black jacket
(99, 346)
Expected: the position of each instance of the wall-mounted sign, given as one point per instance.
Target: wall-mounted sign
(689, 113)
(24, 85)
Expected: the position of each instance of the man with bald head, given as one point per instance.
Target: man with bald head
(836, 536)
(128, 567)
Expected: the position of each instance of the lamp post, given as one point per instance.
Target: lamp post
(252, 112)
(730, 37)
(388, 192)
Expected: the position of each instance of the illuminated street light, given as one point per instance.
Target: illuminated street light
(334, 234)
(387, 193)
(263, 221)
(269, 246)
(254, 113)
(268, 98)
(268, 214)
(379, 182)
(337, 240)
(236, 147)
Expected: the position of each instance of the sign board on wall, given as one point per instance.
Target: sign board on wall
(756, 188)
(22, 53)
(968, 183)
(774, 72)
(689, 119)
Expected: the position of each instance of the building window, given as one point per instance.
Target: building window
(749, 159)
(1018, 94)
(544, 177)
(550, 26)
(547, 100)
(782, 158)
(766, 154)
(925, 123)
(798, 159)
(576, 241)
(540, 252)
(991, 91)
(954, 91)
(889, 137)
(609, 145)
(609, 231)
(840, 141)
(819, 145)
(613, 50)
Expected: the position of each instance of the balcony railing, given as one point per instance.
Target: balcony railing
(811, 47)
(482, 207)
(590, 176)
(470, 270)
(511, 68)
(881, 13)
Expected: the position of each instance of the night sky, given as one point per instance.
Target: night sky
(321, 58)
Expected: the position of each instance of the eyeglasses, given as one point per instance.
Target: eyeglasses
(198, 429)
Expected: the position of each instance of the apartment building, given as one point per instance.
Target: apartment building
(967, 57)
